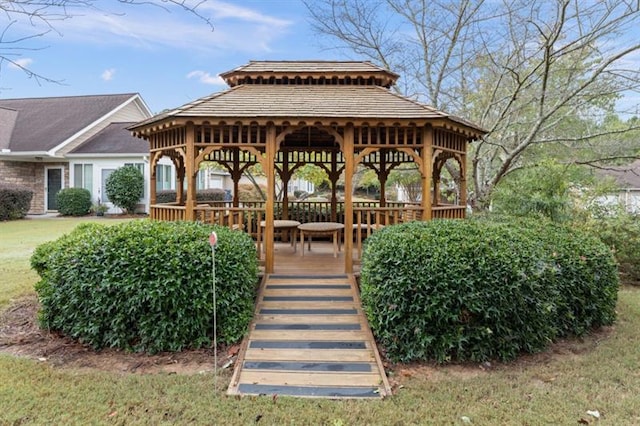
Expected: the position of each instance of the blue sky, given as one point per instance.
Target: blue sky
(170, 57)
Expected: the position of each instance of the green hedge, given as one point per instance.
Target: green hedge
(146, 286)
(15, 201)
(74, 201)
(169, 195)
(621, 232)
(472, 290)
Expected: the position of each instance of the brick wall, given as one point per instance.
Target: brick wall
(30, 175)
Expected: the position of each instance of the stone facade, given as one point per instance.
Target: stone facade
(32, 176)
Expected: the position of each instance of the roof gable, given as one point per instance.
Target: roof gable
(113, 139)
(42, 124)
(7, 123)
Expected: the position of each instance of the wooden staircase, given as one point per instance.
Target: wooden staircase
(309, 338)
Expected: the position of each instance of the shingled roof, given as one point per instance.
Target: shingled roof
(627, 177)
(291, 102)
(42, 124)
(327, 70)
(113, 139)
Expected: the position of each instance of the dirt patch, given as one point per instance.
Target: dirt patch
(563, 349)
(21, 336)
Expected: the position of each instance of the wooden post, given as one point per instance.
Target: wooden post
(427, 167)
(190, 172)
(236, 175)
(269, 204)
(463, 179)
(333, 177)
(285, 176)
(382, 177)
(153, 190)
(348, 152)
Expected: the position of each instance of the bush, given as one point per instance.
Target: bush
(15, 201)
(472, 290)
(145, 285)
(621, 232)
(74, 201)
(125, 188)
(204, 195)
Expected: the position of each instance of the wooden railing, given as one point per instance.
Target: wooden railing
(448, 212)
(167, 212)
(368, 217)
(368, 220)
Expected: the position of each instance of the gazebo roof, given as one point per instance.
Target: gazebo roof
(369, 104)
(265, 71)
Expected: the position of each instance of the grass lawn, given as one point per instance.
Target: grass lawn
(601, 372)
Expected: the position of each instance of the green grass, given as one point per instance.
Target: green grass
(18, 239)
(599, 373)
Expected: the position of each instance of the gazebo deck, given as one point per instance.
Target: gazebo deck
(318, 261)
(309, 336)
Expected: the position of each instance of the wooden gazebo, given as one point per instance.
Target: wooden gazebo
(283, 114)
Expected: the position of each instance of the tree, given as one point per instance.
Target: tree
(125, 187)
(42, 16)
(535, 74)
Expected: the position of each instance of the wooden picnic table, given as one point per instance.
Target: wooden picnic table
(321, 228)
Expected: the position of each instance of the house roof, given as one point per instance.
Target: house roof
(42, 124)
(307, 101)
(113, 139)
(626, 176)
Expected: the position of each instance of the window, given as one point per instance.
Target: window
(200, 181)
(139, 166)
(83, 176)
(164, 177)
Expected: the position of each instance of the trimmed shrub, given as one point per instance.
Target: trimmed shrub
(146, 285)
(15, 201)
(472, 290)
(621, 232)
(214, 194)
(169, 195)
(125, 188)
(74, 201)
(166, 196)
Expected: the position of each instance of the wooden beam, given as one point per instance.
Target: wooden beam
(190, 172)
(426, 169)
(269, 170)
(349, 165)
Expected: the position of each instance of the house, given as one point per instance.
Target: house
(627, 178)
(47, 144)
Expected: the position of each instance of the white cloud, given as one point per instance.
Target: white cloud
(107, 75)
(222, 10)
(21, 63)
(236, 28)
(206, 78)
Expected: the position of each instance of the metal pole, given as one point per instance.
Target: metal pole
(213, 240)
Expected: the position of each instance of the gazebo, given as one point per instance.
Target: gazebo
(338, 115)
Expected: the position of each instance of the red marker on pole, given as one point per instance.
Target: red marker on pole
(213, 239)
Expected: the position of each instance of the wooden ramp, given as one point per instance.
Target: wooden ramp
(309, 338)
